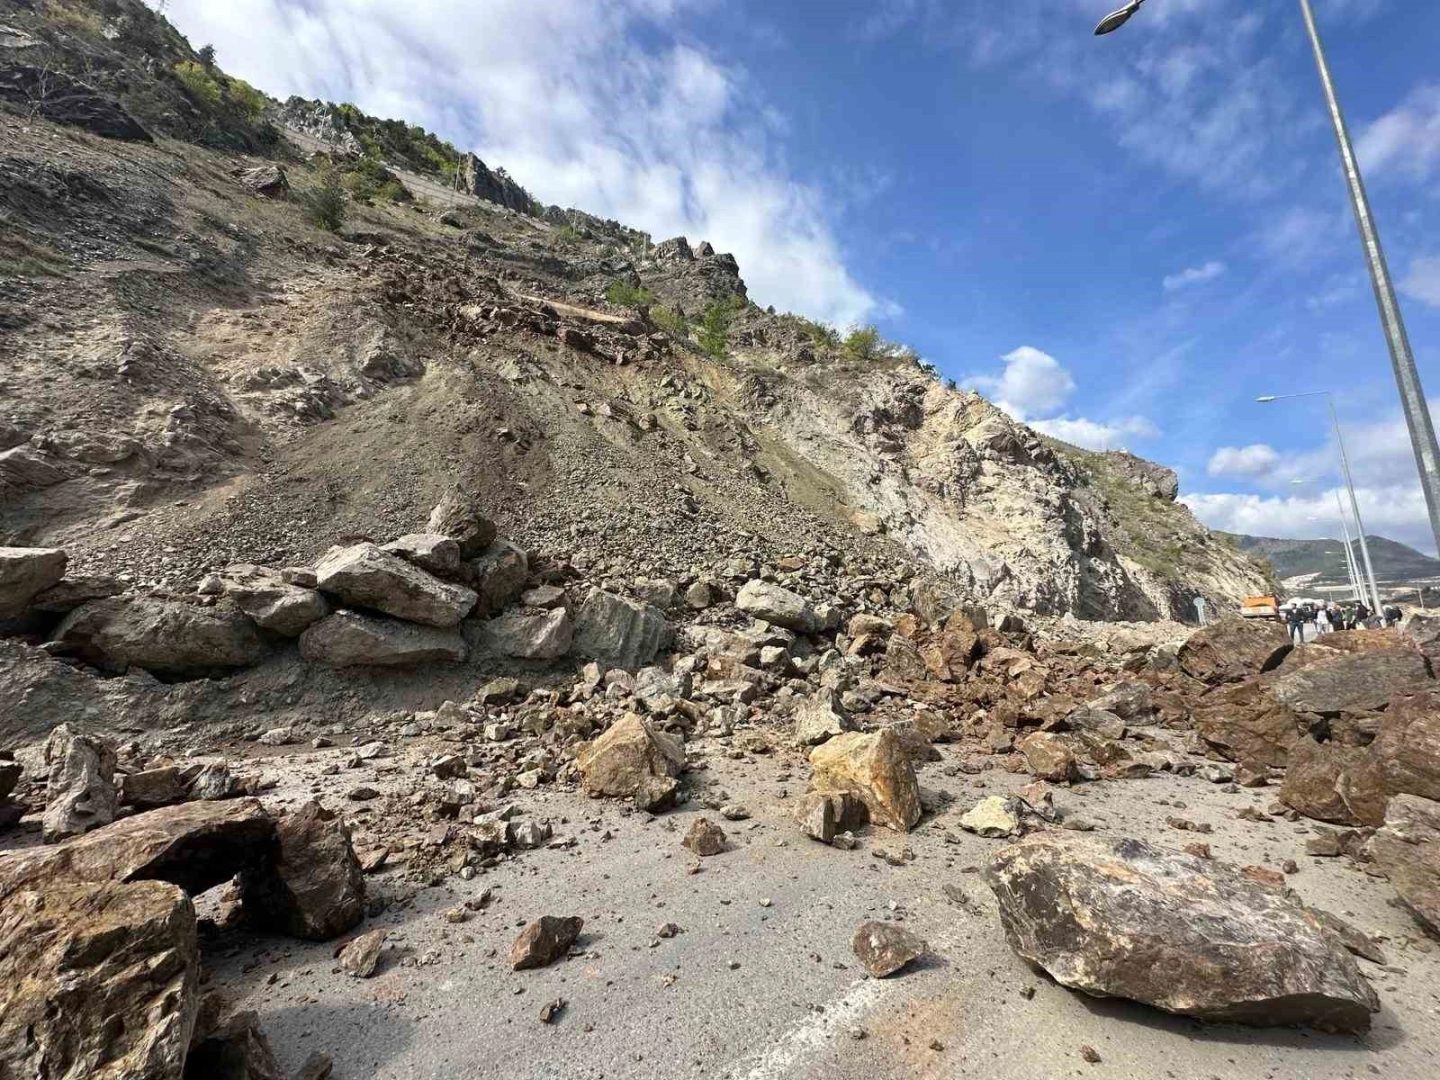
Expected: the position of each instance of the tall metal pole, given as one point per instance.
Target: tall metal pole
(1412, 397)
(1355, 506)
(1350, 566)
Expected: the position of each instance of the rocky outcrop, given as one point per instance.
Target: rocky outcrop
(1123, 918)
(632, 760)
(350, 639)
(80, 789)
(166, 636)
(619, 632)
(364, 575)
(876, 770)
(1233, 650)
(477, 179)
(62, 99)
(24, 574)
(97, 980)
(314, 888)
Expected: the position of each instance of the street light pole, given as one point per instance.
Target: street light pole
(1407, 378)
(1349, 483)
(1352, 569)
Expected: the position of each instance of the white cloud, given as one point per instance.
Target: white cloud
(1032, 382)
(1254, 460)
(605, 107)
(1405, 140)
(1093, 435)
(1193, 275)
(1423, 281)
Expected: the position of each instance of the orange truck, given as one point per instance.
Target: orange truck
(1260, 607)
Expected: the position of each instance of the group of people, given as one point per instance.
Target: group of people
(1327, 617)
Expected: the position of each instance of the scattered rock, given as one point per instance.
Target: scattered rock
(80, 790)
(153, 788)
(531, 637)
(632, 759)
(431, 552)
(776, 605)
(1233, 650)
(820, 717)
(268, 180)
(874, 768)
(1048, 756)
(171, 637)
(993, 816)
(544, 941)
(705, 837)
(884, 948)
(361, 954)
(1407, 851)
(273, 603)
(236, 1049)
(457, 517)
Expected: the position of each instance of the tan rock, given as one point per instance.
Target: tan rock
(1232, 650)
(632, 760)
(1407, 850)
(1311, 778)
(1048, 756)
(873, 767)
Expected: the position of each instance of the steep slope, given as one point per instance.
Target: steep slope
(197, 375)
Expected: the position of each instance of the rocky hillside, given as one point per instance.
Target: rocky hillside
(1322, 562)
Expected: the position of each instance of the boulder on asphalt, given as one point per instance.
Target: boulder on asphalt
(1245, 724)
(823, 814)
(361, 954)
(1124, 918)
(1352, 682)
(350, 639)
(234, 1049)
(1233, 650)
(525, 636)
(1047, 756)
(498, 577)
(994, 816)
(431, 552)
(704, 837)
(364, 575)
(195, 845)
(884, 948)
(166, 636)
(1404, 759)
(153, 788)
(97, 980)
(619, 632)
(776, 605)
(457, 516)
(875, 769)
(273, 603)
(820, 717)
(544, 941)
(1407, 850)
(25, 572)
(313, 888)
(80, 786)
(632, 760)
(1312, 776)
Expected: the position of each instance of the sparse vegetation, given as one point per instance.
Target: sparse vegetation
(714, 332)
(567, 237)
(670, 320)
(324, 205)
(863, 344)
(627, 295)
(368, 181)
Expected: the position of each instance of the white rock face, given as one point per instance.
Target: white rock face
(364, 575)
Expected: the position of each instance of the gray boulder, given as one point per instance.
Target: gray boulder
(70, 592)
(432, 552)
(366, 576)
(820, 717)
(619, 632)
(498, 576)
(1124, 918)
(24, 573)
(80, 790)
(273, 604)
(173, 637)
(779, 606)
(530, 637)
(350, 639)
(457, 517)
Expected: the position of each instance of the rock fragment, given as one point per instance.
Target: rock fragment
(632, 760)
(875, 769)
(619, 632)
(544, 941)
(25, 573)
(80, 789)
(884, 948)
(705, 837)
(314, 887)
(361, 955)
(364, 575)
(350, 639)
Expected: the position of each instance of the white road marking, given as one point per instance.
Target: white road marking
(816, 1032)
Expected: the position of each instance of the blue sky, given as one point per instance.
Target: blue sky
(1124, 239)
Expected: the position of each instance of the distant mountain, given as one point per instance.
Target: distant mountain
(1395, 563)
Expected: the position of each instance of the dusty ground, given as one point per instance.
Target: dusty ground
(444, 1002)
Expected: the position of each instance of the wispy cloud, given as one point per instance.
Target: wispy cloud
(1193, 275)
(1422, 280)
(1406, 140)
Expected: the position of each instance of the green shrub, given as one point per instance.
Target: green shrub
(203, 87)
(670, 320)
(324, 204)
(863, 344)
(567, 236)
(714, 333)
(818, 332)
(627, 295)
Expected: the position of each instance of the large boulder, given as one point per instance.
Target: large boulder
(70, 592)
(314, 888)
(526, 636)
(1133, 701)
(233, 1049)
(1352, 682)
(1404, 759)
(80, 787)
(1234, 649)
(195, 845)
(432, 552)
(1047, 756)
(350, 639)
(632, 760)
(24, 574)
(949, 654)
(619, 632)
(1312, 776)
(875, 768)
(98, 981)
(170, 637)
(498, 576)
(1245, 723)
(1407, 850)
(457, 517)
(820, 717)
(1124, 918)
(363, 575)
(776, 605)
(273, 603)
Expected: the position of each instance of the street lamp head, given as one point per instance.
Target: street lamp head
(1117, 19)
(1266, 399)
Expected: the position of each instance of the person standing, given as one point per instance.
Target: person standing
(1295, 619)
(1322, 621)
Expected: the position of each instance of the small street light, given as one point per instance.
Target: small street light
(1117, 19)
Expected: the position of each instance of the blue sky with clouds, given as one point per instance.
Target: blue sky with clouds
(1124, 240)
